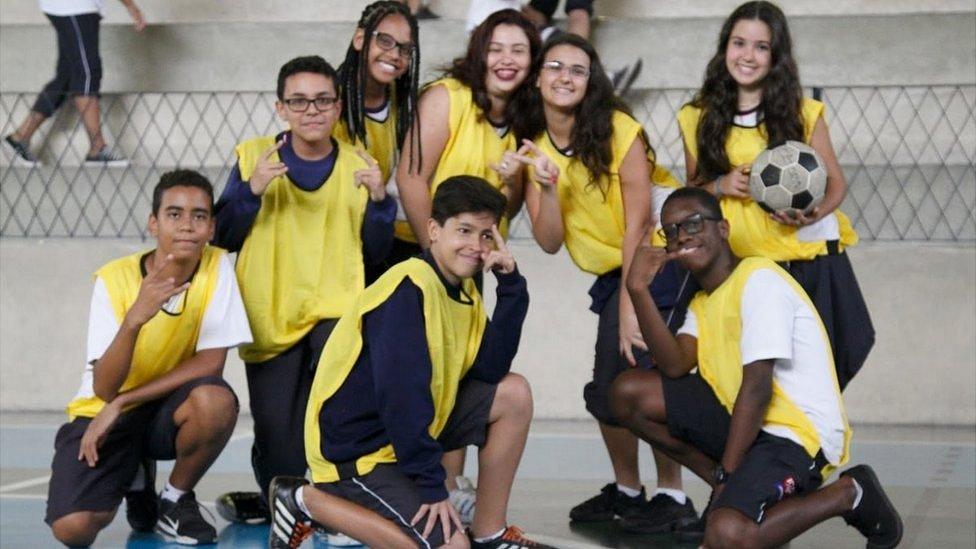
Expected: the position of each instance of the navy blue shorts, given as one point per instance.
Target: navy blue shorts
(774, 468)
(146, 431)
(671, 289)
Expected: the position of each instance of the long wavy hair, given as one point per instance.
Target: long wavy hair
(471, 68)
(782, 95)
(591, 139)
(355, 70)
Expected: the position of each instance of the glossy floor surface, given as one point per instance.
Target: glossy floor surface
(930, 474)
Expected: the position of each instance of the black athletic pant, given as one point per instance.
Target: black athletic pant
(279, 390)
(79, 70)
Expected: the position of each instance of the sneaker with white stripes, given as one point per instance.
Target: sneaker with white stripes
(107, 157)
(181, 522)
(464, 499)
(289, 524)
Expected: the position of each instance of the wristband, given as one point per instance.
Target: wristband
(718, 186)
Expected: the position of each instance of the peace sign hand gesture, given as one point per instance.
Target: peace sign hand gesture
(546, 172)
(370, 177)
(266, 170)
(155, 290)
(500, 259)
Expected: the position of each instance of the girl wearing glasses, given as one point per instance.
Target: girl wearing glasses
(378, 88)
(466, 121)
(591, 168)
(751, 99)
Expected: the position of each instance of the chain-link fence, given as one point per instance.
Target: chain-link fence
(909, 154)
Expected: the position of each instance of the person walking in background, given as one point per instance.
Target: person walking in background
(78, 75)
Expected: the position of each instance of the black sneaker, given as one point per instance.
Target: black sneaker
(182, 523)
(511, 538)
(289, 524)
(107, 157)
(661, 515)
(607, 505)
(243, 508)
(875, 517)
(21, 153)
(142, 506)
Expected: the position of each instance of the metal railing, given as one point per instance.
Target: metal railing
(908, 152)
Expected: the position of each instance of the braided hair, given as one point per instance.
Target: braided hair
(355, 70)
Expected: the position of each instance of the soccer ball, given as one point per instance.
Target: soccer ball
(790, 178)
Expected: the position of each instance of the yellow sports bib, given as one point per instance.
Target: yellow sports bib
(302, 261)
(472, 146)
(753, 232)
(381, 141)
(719, 320)
(165, 341)
(454, 331)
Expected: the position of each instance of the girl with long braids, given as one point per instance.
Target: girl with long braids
(593, 174)
(378, 87)
(466, 119)
(378, 82)
(751, 99)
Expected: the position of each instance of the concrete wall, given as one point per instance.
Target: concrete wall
(194, 11)
(921, 298)
(245, 56)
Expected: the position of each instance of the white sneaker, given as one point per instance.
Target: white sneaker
(463, 499)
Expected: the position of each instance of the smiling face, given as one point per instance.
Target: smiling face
(386, 65)
(696, 252)
(183, 224)
(748, 55)
(313, 125)
(460, 245)
(508, 60)
(564, 77)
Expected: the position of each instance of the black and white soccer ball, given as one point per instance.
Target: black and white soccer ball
(790, 178)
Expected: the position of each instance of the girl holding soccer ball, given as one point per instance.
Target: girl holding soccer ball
(751, 99)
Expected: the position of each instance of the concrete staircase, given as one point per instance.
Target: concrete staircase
(238, 45)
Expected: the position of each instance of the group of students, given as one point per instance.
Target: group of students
(362, 233)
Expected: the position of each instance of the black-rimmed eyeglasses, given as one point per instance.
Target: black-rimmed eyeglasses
(691, 225)
(387, 42)
(300, 104)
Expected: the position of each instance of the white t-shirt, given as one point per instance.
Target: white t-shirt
(71, 7)
(778, 324)
(224, 321)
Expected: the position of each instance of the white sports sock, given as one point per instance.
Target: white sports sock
(676, 495)
(299, 498)
(494, 536)
(171, 493)
(858, 492)
(628, 491)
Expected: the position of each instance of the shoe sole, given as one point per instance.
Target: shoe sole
(182, 540)
(106, 164)
(873, 478)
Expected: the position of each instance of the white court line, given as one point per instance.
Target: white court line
(24, 484)
(241, 435)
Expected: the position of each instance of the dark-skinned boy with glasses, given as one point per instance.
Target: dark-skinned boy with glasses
(305, 212)
(745, 395)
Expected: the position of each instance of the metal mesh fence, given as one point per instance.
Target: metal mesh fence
(909, 155)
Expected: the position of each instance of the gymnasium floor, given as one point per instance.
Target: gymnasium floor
(930, 474)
